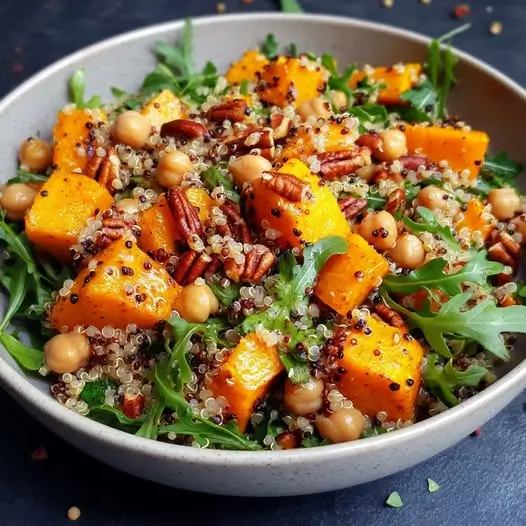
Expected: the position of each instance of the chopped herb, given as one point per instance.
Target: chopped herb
(28, 358)
(370, 113)
(109, 415)
(94, 393)
(293, 50)
(213, 177)
(374, 431)
(337, 81)
(432, 486)
(498, 171)
(77, 87)
(394, 500)
(291, 6)
(150, 427)
(269, 48)
(225, 295)
(298, 370)
(243, 87)
(27, 177)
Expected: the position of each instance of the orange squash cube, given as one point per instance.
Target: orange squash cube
(61, 209)
(126, 287)
(158, 228)
(346, 280)
(164, 107)
(474, 219)
(201, 201)
(246, 67)
(397, 81)
(382, 370)
(292, 222)
(246, 377)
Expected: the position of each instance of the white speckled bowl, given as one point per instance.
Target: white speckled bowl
(484, 97)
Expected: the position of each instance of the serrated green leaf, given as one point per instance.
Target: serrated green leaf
(269, 48)
(29, 358)
(298, 370)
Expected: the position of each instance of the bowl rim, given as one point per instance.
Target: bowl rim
(32, 396)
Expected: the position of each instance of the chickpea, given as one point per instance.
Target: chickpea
(394, 146)
(367, 172)
(519, 223)
(65, 353)
(408, 252)
(248, 168)
(343, 425)
(172, 168)
(132, 128)
(434, 198)
(16, 200)
(379, 229)
(303, 399)
(504, 203)
(128, 205)
(317, 107)
(339, 99)
(196, 303)
(35, 155)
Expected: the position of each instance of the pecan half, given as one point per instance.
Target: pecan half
(390, 316)
(504, 249)
(105, 170)
(338, 164)
(185, 215)
(371, 140)
(235, 227)
(498, 252)
(413, 161)
(257, 263)
(281, 125)
(183, 128)
(396, 202)
(253, 138)
(193, 265)
(352, 206)
(234, 111)
(287, 186)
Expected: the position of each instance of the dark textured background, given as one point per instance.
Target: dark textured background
(483, 479)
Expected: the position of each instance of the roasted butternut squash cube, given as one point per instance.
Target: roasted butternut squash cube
(126, 287)
(246, 377)
(346, 280)
(288, 222)
(61, 209)
(398, 79)
(158, 228)
(463, 150)
(71, 137)
(201, 201)
(164, 107)
(382, 370)
(291, 80)
(475, 219)
(246, 67)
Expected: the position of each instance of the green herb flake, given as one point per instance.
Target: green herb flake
(77, 87)
(94, 393)
(432, 486)
(394, 500)
(291, 6)
(298, 371)
(269, 48)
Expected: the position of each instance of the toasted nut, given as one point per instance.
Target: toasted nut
(184, 128)
(255, 140)
(352, 206)
(339, 164)
(193, 265)
(234, 111)
(287, 186)
(498, 252)
(396, 202)
(519, 223)
(235, 227)
(133, 405)
(185, 215)
(390, 316)
(257, 263)
(280, 125)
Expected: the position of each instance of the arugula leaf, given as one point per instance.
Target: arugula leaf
(374, 431)
(212, 177)
(441, 380)
(337, 81)
(94, 393)
(150, 426)
(449, 63)
(483, 323)
(129, 102)
(298, 370)
(370, 113)
(226, 296)
(421, 97)
(376, 202)
(269, 48)
(498, 171)
(432, 276)
(27, 177)
(430, 224)
(29, 358)
(293, 50)
(291, 6)
(17, 293)
(107, 414)
(77, 87)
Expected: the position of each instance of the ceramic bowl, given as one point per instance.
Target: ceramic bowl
(484, 97)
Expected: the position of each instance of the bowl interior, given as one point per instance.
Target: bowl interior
(484, 98)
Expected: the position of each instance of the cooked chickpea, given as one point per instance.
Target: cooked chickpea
(394, 146)
(16, 200)
(343, 425)
(339, 99)
(196, 303)
(65, 353)
(132, 128)
(504, 203)
(317, 107)
(303, 399)
(366, 172)
(35, 155)
(434, 198)
(248, 168)
(379, 229)
(128, 205)
(172, 167)
(408, 252)
(519, 223)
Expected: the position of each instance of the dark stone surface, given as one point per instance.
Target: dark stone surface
(483, 480)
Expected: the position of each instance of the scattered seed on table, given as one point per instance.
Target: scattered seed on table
(432, 486)
(388, 3)
(495, 28)
(39, 453)
(425, 2)
(461, 10)
(221, 7)
(73, 513)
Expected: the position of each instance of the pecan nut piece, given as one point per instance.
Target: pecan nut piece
(498, 252)
(185, 215)
(184, 128)
(287, 186)
(371, 140)
(352, 206)
(235, 111)
(396, 202)
(504, 249)
(253, 139)
(281, 125)
(390, 316)
(105, 170)
(256, 264)
(339, 164)
(193, 265)
(235, 227)
(414, 161)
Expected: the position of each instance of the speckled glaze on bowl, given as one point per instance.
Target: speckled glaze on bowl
(484, 97)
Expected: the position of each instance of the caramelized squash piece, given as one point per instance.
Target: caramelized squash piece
(291, 80)
(397, 81)
(158, 228)
(201, 201)
(162, 108)
(61, 209)
(246, 67)
(104, 298)
(382, 370)
(71, 133)
(289, 222)
(474, 219)
(462, 150)
(246, 377)
(346, 280)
